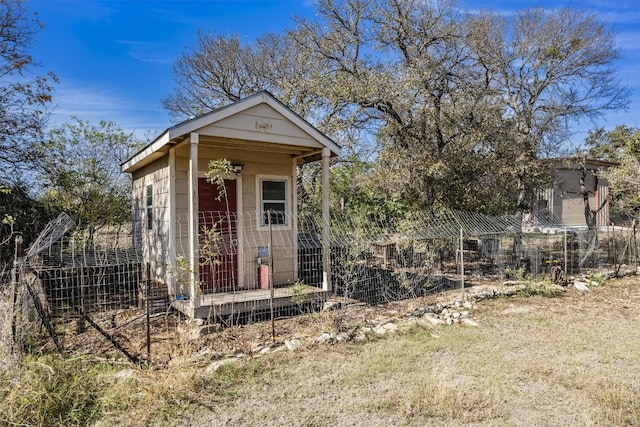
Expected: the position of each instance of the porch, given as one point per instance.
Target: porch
(239, 264)
(251, 302)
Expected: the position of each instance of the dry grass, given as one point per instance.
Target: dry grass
(570, 360)
(539, 361)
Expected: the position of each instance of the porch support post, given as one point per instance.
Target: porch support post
(294, 218)
(240, 232)
(171, 258)
(326, 247)
(194, 297)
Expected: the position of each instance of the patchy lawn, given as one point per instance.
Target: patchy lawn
(569, 360)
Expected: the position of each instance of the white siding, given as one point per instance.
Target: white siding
(155, 241)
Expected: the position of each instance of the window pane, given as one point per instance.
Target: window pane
(277, 213)
(273, 190)
(149, 207)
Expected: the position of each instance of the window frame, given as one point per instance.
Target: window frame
(260, 201)
(148, 197)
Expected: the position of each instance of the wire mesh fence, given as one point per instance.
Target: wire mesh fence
(70, 273)
(86, 269)
(110, 275)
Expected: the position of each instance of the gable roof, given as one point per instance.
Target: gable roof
(176, 134)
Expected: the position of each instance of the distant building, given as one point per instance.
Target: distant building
(563, 201)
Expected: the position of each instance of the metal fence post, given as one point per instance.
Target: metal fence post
(566, 271)
(461, 258)
(147, 294)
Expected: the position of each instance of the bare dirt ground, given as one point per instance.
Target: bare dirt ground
(532, 361)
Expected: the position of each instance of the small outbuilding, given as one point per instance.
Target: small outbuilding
(174, 204)
(573, 180)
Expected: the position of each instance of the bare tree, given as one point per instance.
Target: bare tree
(210, 75)
(459, 107)
(549, 68)
(24, 99)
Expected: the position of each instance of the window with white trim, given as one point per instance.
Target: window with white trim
(273, 202)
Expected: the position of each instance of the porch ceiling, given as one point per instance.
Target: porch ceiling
(306, 154)
(303, 154)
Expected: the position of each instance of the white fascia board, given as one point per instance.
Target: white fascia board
(159, 143)
(303, 124)
(208, 119)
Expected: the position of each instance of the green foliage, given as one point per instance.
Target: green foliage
(613, 145)
(298, 293)
(356, 196)
(81, 174)
(51, 391)
(531, 287)
(544, 288)
(20, 212)
(599, 278)
(180, 270)
(217, 171)
(623, 186)
(516, 273)
(622, 144)
(210, 245)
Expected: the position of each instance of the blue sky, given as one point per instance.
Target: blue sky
(114, 57)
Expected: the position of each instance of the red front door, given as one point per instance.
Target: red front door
(217, 236)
